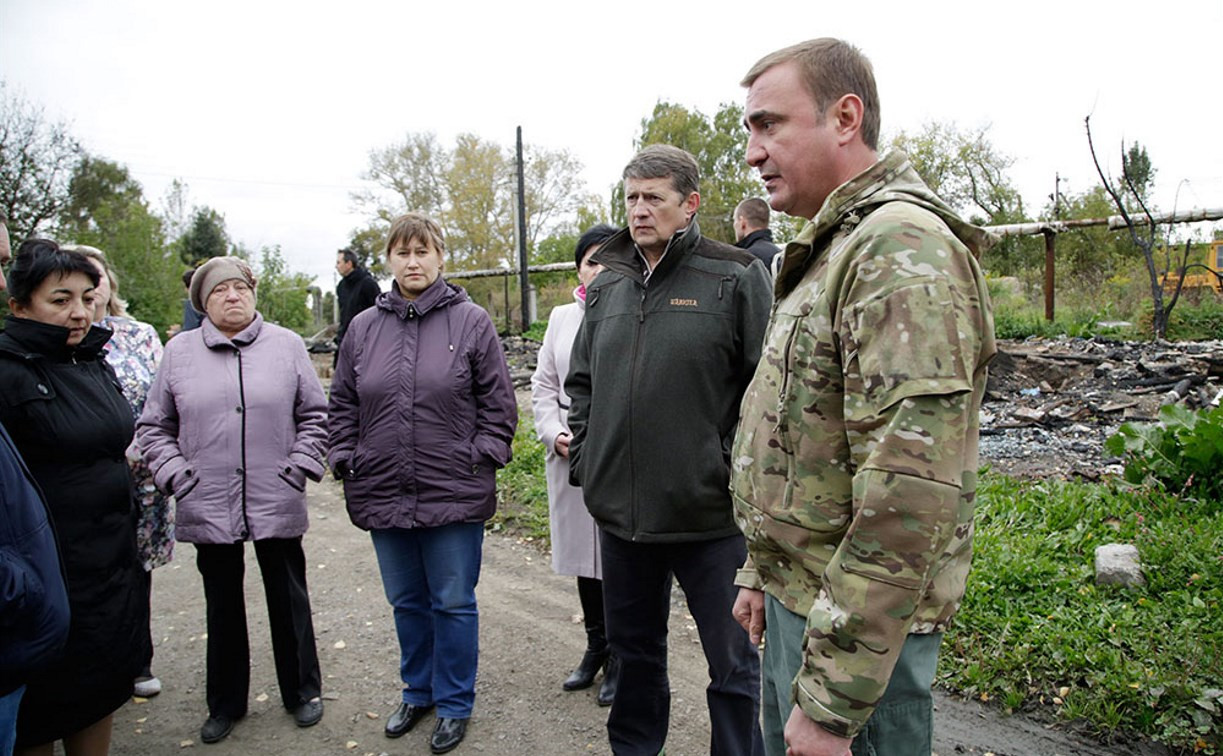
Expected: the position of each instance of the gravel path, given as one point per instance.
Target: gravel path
(530, 638)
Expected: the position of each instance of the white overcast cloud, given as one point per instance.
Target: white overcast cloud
(267, 110)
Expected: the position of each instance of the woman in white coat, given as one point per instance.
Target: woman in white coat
(575, 537)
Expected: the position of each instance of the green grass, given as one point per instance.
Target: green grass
(1034, 626)
(522, 490)
(1033, 623)
(536, 331)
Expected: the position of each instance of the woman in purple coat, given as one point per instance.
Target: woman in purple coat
(234, 424)
(422, 414)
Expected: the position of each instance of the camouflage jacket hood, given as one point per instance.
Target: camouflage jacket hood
(854, 469)
(892, 179)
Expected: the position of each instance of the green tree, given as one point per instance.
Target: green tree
(283, 296)
(479, 217)
(106, 209)
(37, 160)
(1087, 257)
(369, 244)
(470, 189)
(719, 145)
(204, 238)
(966, 170)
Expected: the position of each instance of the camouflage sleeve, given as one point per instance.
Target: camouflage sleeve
(747, 577)
(871, 588)
(909, 340)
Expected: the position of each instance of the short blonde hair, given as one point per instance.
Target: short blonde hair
(117, 306)
(416, 227)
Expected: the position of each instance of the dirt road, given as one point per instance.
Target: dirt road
(530, 637)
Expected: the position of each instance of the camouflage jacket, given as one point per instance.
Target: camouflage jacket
(854, 469)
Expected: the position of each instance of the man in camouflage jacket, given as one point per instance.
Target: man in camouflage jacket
(856, 455)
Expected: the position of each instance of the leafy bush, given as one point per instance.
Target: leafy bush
(522, 489)
(1022, 324)
(1200, 322)
(1182, 452)
(536, 331)
(1036, 634)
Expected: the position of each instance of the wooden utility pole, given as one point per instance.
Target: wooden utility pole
(524, 281)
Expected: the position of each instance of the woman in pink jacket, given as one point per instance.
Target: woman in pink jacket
(234, 424)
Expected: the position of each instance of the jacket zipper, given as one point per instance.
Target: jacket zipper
(632, 474)
(242, 406)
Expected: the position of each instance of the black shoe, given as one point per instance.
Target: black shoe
(309, 713)
(447, 735)
(216, 729)
(611, 681)
(584, 676)
(405, 718)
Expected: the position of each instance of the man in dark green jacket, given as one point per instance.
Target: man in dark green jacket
(670, 341)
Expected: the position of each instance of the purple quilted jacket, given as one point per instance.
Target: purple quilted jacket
(422, 411)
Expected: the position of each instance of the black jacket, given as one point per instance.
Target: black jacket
(67, 416)
(760, 243)
(356, 292)
(657, 372)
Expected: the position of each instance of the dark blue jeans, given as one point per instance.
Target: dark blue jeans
(430, 575)
(637, 598)
(9, 704)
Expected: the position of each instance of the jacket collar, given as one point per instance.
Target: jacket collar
(621, 254)
(889, 180)
(31, 339)
(441, 293)
(753, 237)
(213, 337)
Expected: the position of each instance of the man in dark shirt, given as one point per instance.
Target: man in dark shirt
(752, 230)
(356, 291)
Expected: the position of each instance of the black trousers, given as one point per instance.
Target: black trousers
(283, 566)
(637, 599)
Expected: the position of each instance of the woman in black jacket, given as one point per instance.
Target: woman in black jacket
(67, 416)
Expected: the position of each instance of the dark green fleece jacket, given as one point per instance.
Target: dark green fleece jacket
(657, 372)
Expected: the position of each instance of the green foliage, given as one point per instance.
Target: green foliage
(470, 190)
(536, 331)
(1023, 324)
(282, 294)
(205, 238)
(1180, 453)
(522, 489)
(1200, 322)
(106, 209)
(718, 144)
(969, 173)
(1033, 625)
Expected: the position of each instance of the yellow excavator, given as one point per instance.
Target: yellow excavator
(1210, 278)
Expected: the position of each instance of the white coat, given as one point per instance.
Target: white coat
(575, 537)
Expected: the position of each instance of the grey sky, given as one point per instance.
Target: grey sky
(267, 110)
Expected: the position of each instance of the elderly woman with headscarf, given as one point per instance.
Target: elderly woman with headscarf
(133, 352)
(63, 408)
(234, 424)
